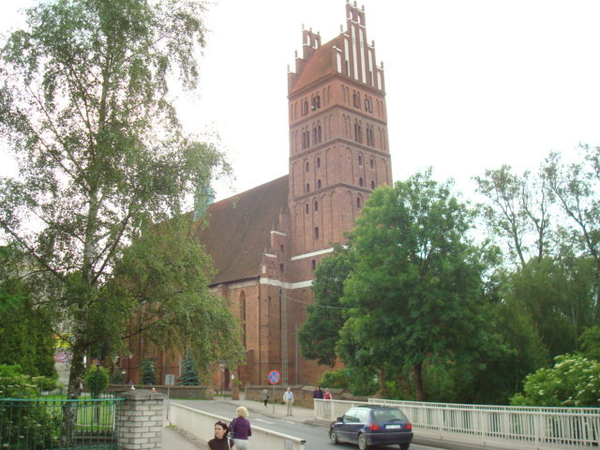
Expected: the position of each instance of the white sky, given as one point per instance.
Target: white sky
(471, 84)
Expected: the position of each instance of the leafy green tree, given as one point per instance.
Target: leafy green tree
(574, 381)
(334, 379)
(577, 187)
(589, 342)
(556, 295)
(318, 336)
(85, 103)
(517, 209)
(26, 336)
(416, 290)
(502, 373)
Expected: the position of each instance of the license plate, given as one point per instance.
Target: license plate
(393, 427)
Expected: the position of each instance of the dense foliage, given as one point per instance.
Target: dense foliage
(85, 105)
(96, 380)
(318, 336)
(31, 420)
(574, 381)
(432, 314)
(415, 291)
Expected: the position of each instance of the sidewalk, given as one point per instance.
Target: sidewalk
(176, 439)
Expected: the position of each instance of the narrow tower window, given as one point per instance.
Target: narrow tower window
(316, 232)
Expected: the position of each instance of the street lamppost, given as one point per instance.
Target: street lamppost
(222, 366)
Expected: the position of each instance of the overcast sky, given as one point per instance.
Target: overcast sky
(471, 84)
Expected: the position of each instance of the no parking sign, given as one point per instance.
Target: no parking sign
(273, 377)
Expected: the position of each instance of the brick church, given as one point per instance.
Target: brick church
(266, 242)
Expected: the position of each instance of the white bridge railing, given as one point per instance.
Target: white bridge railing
(200, 424)
(527, 427)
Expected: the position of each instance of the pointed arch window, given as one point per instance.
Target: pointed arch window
(318, 162)
(372, 163)
(307, 187)
(316, 205)
(360, 160)
(361, 182)
(356, 99)
(370, 139)
(306, 166)
(304, 107)
(372, 185)
(306, 208)
(316, 233)
(318, 184)
(357, 132)
(358, 202)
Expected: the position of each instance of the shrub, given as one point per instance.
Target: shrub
(96, 379)
(574, 381)
(24, 418)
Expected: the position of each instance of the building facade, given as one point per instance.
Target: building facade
(266, 242)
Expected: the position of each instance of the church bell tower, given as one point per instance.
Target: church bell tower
(338, 138)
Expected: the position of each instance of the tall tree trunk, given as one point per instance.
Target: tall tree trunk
(418, 371)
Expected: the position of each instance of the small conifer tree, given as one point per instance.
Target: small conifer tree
(189, 374)
(148, 372)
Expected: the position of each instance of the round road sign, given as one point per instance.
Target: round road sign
(273, 377)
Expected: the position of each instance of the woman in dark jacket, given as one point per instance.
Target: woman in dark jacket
(242, 429)
(221, 442)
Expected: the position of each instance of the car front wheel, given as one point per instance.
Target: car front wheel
(362, 442)
(333, 437)
(404, 446)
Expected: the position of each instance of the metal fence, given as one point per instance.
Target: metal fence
(530, 426)
(58, 423)
(527, 427)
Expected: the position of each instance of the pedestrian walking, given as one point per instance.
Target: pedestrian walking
(318, 393)
(288, 399)
(264, 396)
(327, 397)
(221, 441)
(241, 429)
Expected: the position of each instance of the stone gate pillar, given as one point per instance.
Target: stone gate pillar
(139, 420)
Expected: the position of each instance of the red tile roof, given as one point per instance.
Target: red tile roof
(321, 63)
(239, 229)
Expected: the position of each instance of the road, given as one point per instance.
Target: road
(315, 436)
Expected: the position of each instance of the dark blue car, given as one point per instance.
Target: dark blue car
(372, 425)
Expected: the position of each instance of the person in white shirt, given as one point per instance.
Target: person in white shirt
(288, 399)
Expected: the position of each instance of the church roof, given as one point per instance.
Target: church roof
(239, 229)
(320, 64)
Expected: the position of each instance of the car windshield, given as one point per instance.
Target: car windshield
(388, 415)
